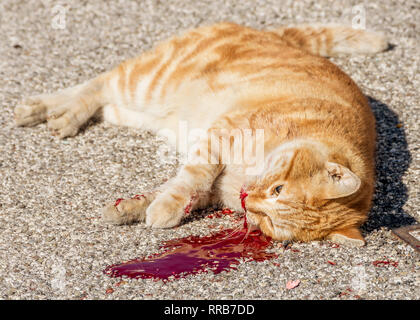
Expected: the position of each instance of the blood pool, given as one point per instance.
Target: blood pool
(217, 252)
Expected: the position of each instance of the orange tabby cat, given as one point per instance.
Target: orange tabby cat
(317, 175)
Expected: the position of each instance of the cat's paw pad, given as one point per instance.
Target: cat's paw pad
(30, 111)
(125, 211)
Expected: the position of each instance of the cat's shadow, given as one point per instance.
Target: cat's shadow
(392, 160)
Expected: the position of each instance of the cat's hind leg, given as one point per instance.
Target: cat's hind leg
(65, 111)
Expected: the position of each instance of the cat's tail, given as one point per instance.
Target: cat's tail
(330, 40)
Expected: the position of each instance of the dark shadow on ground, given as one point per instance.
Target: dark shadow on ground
(392, 160)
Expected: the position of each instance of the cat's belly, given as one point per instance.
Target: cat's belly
(180, 133)
(181, 116)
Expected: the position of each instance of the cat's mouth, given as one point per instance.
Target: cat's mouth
(254, 218)
(251, 223)
(274, 229)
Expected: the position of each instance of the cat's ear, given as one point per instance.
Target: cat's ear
(349, 236)
(341, 181)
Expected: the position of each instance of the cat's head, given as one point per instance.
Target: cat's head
(303, 196)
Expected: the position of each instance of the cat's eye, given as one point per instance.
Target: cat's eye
(277, 190)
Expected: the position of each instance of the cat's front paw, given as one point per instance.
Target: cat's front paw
(126, 211)
(167, 212)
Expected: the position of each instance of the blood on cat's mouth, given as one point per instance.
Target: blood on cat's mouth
(242, 196)
(248, 224)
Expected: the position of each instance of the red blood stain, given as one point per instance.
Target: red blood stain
(242, 196)
(223, 212)
(227, 211)
(192, 255)
(187, 209)
(136, 197)
(382, 263)
(117, 202)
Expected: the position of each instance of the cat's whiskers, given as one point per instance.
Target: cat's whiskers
(234, 231)
(250, 228)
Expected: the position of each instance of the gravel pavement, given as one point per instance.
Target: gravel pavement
(53, 244)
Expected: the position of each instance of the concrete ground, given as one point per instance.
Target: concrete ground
(53, 243)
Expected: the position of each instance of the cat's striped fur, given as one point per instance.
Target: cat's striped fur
(319, 135)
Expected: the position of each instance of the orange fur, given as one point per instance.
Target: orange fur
(319, 135)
